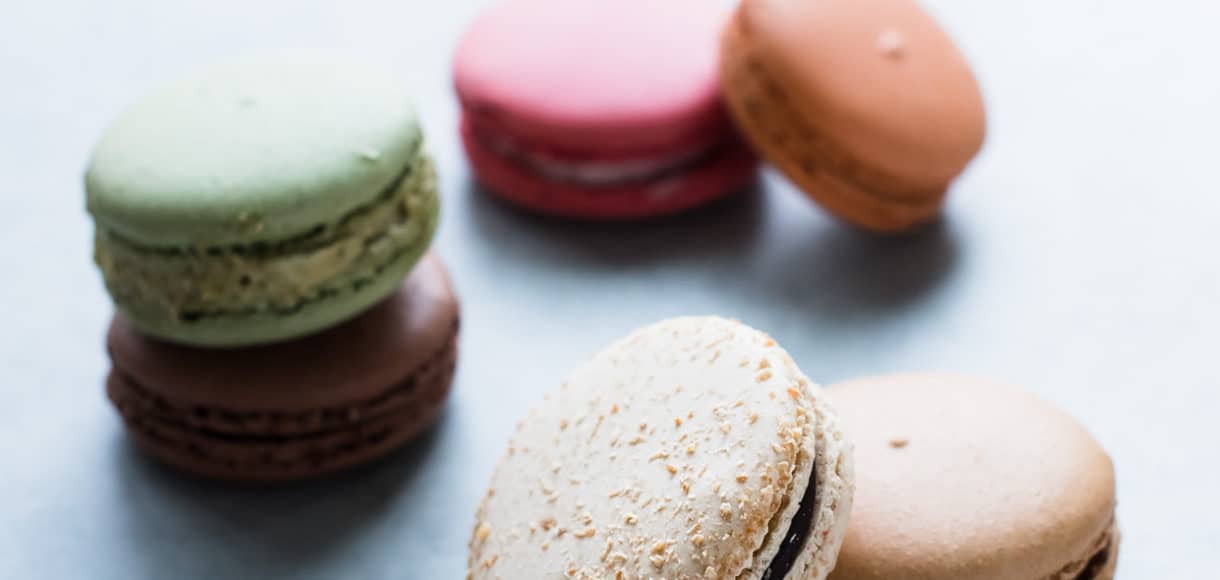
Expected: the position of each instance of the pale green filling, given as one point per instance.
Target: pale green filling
(188, 284)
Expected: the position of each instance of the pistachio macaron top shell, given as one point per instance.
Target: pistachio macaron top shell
(257, 150)
(680, 451)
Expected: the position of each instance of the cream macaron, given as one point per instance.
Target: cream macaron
(692, 448)
(964, 479)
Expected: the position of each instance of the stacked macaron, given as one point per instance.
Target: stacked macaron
(613, 108)
(255, 224)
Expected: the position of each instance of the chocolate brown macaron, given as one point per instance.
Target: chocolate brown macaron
(296, 409)
(866, 105)
(964, 479)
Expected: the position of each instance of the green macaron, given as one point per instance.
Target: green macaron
(261, 200)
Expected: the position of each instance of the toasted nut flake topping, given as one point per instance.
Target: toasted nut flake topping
(606, 550)
(899, 442)
(483, 532)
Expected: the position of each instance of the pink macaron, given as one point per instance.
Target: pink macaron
(602, 109)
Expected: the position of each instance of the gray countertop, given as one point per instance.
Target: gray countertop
(1078, 258)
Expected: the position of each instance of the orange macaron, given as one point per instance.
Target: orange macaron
(866, 105)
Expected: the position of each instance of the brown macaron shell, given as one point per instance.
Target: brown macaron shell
(867, 105)
(293, 409)
(963, 479)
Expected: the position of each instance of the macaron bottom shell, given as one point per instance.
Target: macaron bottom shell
(727, 169)
(266, 328)
(844, 186)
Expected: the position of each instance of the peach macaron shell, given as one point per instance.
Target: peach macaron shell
(964, 479)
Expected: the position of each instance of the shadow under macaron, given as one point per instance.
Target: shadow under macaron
(846, 274)
(270, 531)
(725, 227)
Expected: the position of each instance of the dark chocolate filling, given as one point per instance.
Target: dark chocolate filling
(798, 533)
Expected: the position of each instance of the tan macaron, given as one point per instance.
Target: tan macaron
(692, 448)
(964, 479)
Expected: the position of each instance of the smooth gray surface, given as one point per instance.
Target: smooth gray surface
(1078, 259)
